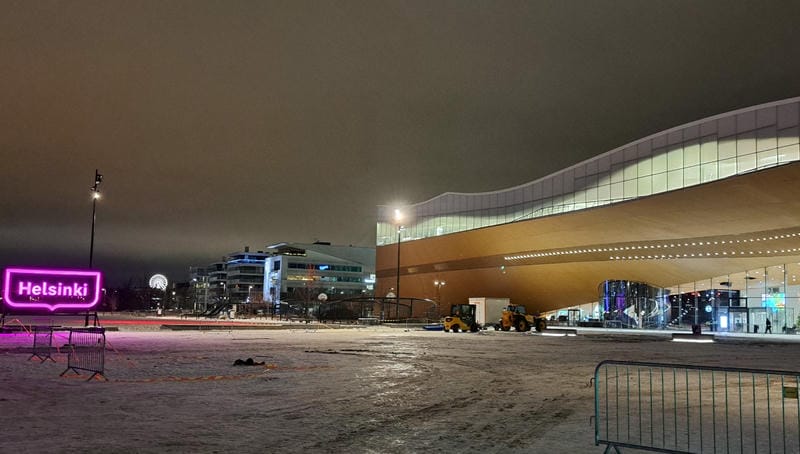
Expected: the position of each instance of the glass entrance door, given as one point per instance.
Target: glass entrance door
(738, 319)
(758, 320)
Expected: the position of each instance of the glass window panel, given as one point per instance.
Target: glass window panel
(675, 137)
(569, 182)
(746, 163)
(727, 168)
(708, 149)
(775, 280)
(765, 117)
(727, 148)
(675, 158)
(793, 280)
(645, 166)
(603, 193)
(644, 149)
(659, 183)
(604, 178)
(746, 143)
(591, 167)
(767, 158)
(568, 198)
(788, 136)
(746, 121)
(755, 286)
(616, 173)
(580, 183)
(787, 115)
(630, 153)
(591, 181)
(580, 196)
(726, 126)
(630, 171)
(645, 186)
(631, 187)
(591, 195)
(691, 176)
(616, 191)
(547, 205)
(692, 132)
(691, 153)
(558, 184)
(738, 281)
(789, 154)
(675, 179)
(708, 128)
(708, 172)
(604, 163)
(547, 188)
(659, 161)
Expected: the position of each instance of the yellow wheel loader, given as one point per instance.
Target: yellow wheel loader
(461, 318)
(515, 316)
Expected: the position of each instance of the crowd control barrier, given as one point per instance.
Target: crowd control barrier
(679, 408)
(42, 343)
(86, 351)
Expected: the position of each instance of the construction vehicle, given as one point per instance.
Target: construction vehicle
(461, 318)
(514, 316)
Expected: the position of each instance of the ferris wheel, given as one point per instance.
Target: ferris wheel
(158, 281)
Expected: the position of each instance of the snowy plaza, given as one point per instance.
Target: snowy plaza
(373, 389)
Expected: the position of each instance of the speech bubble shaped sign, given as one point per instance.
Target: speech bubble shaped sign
(51, 289)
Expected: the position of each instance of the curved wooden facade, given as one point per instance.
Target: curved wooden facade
(726, 226)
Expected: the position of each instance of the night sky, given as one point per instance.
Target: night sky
(221, 124)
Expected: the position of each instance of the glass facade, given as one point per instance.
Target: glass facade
(700, 152)
(740, 302)
(628, 304)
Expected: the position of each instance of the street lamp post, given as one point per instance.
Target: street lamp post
(98, 178)
(438, 285)
(398, 217)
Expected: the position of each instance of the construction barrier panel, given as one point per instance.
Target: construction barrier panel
(42, 343)
(86, 351)
(679, 408)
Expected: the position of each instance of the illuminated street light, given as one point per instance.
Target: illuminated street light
(98, 178)
(438, 285)
(398, 218)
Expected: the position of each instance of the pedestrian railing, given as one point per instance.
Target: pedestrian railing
(679, 408)
(86, 351)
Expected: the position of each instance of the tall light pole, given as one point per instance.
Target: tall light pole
(98, 178)
(398, 218)
(438, 285)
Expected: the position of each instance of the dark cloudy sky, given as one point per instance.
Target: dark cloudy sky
(220, 124)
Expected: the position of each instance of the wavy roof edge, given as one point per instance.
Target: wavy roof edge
(629, 144)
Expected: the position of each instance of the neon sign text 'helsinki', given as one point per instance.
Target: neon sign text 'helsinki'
(51, 289)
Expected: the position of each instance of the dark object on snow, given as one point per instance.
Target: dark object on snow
(247, 362)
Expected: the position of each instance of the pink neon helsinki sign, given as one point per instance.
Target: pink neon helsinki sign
(51, 289)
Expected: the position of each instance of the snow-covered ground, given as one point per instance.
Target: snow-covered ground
(361, 390)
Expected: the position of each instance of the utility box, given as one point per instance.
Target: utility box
(488, 311)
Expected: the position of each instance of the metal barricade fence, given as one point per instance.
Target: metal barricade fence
(678, 408)
(87, 347)
(42, 343)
